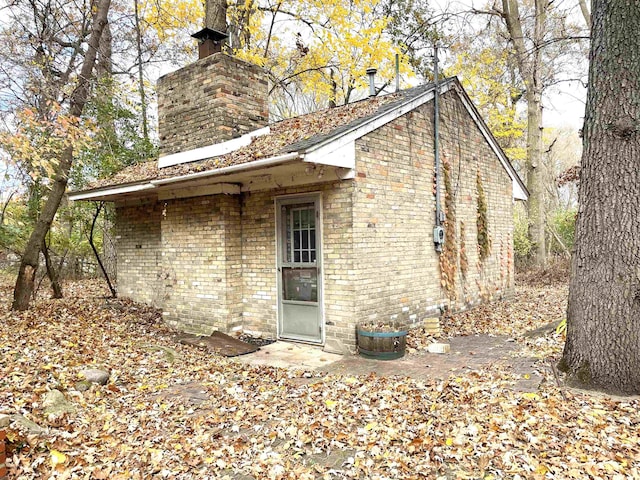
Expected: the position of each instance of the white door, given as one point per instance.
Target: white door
(299, 259)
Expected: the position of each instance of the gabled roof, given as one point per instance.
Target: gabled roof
(319, 137)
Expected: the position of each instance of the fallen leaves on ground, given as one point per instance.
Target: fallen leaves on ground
(531, 307)
(534, 304)
(270, 423)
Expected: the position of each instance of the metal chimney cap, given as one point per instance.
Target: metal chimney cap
(371, 72)
(210, 34)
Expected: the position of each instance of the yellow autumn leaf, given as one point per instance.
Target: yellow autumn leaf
(371, 425)
(531, 396)
(330, 403)
(57, 458)
(542, 470)
(449, 442)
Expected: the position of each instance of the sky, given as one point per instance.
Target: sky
(565, 107)
(564, 103)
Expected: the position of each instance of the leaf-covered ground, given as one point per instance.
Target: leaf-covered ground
(247, 422)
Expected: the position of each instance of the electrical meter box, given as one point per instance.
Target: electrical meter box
(438, 235)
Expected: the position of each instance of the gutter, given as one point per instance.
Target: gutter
(266, 162)
(372, 120)
(75, 196)
(154, 184)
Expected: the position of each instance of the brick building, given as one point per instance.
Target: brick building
(302, 228)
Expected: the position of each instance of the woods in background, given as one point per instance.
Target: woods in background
(315, 53)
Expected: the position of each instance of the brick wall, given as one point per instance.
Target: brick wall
(394, 210)
(260, 293)
(138, 248)
(396, 264)
(212, 262)
(212, 100)
(494, 277)
(201, 263)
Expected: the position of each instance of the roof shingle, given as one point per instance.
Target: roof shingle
(292, 135)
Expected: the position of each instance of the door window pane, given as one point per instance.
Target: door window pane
(300, 284)
(299, 225)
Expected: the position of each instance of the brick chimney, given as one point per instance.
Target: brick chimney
(215, 99)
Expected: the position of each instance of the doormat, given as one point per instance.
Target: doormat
(220, 343)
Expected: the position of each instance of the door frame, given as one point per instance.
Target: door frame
(278, 201)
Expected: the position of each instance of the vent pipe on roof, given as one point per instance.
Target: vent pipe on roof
(397, 72)
(371, 72)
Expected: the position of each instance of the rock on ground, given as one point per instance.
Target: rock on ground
(95, 375)
(55, 403)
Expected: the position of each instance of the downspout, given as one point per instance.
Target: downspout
(438, 230)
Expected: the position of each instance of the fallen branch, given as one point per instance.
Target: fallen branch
(95, 250)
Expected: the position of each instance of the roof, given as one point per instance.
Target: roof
(317, 133)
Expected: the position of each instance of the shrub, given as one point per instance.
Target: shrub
(562, 222)
(521, 244)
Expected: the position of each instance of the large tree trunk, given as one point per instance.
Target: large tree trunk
(30, 260)
(215, 12)
(535, 176)
(529, 65)
(602, 350)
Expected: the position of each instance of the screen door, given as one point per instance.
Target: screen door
(298, 269)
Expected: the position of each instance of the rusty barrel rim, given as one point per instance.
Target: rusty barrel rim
(366, 333)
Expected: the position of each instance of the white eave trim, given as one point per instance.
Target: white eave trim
(154, 184)
(211, 151)
(343, 144)
(340, 151)
(110, 192)
(265, 162)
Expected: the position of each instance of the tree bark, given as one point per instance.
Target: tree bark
(535, 176)
(602, 349)
(529, 66)
(51, 271)
(215, 12)
(141, 90)
(30, 260)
